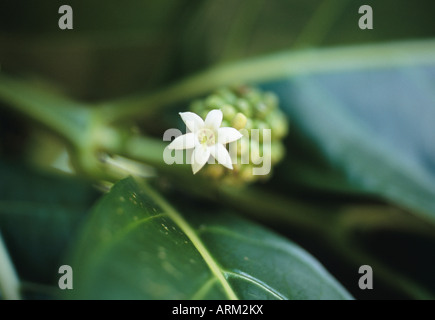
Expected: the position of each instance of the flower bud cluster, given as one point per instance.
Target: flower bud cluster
(246, 108)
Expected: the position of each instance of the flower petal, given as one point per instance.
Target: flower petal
(221, 154)
(186, 141)
(199, 157)
(227, 134)
(192, 121)
(214, 119)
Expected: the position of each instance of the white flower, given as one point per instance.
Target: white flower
(207, 139)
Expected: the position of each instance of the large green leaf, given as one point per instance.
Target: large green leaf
(373, 130)
(137, 246)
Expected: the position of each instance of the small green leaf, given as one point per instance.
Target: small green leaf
(137, 246)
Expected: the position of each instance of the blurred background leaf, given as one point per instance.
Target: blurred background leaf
(39, 215)
(370, 131)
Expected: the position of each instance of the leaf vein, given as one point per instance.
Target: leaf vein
(248, 278)
(194, 238)
(204, 289)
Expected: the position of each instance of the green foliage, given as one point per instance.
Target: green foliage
(356, 184)
(137, 246)
(373, 129)
(39, 215)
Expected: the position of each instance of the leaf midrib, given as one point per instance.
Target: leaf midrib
(217, 271)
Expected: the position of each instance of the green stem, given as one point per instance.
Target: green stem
(9, 283)
(145, 149)
(61, 115)
(273, 67)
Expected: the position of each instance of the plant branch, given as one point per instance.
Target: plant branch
(67, 118)
(272, 67)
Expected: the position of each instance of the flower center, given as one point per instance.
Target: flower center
(207, 137)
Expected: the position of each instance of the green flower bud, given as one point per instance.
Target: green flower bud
(253, 96)
(278, 123)
(261, 110)
(229, 112)
(214, 102)
(249, 124)
(239, 121)
(261, 125)
(227, 95)
(244, 107)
